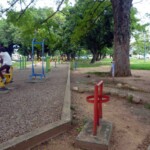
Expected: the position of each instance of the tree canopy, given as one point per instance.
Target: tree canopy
(88, 25)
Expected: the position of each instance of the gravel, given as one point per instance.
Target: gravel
(28, 106)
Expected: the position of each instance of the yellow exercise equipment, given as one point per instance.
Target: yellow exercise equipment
(8, 76)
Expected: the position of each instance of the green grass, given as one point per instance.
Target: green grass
(140, 66)
(147, 106)
(17, 64)
(86, 63)
(136, 64)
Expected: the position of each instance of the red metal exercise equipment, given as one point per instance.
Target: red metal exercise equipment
(98, 98)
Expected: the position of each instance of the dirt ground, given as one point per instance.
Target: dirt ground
(31, 104)
(130, 119)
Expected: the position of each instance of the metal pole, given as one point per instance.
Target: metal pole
(42, 56)
(32, 56)
(113, 69)
(95, 110)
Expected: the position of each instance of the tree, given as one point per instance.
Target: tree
(94, 22)
(139, 34)
(88, 13)
(141, 43)
(30, 27)
(121, 12)
(9, 35)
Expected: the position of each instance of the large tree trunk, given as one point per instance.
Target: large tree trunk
(98, 56)
(121, 12)
(93, 58)
(94, 53)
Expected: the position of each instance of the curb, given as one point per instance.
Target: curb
(42, 134)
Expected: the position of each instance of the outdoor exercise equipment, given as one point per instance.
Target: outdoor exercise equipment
(98, 98)
(74, 63)
(23, 61)
(55, 61)
(58, 59)
(48, 67)
(34, 74)
(9, 77)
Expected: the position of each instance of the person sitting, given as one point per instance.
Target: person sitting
(6, 62)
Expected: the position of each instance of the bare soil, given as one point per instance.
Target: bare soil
(131, 121)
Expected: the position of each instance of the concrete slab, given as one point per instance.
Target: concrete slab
(101, 141)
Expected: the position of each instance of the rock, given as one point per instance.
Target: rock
(134, 88)
(119, 85)
(127, 85)
(148, 147)
(137, 100)
(75, 88)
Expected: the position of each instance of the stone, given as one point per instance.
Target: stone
(119, 85)
(75, 88)
(137, 100)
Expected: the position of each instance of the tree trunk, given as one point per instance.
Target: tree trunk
(68, 56)
(121, 12)
(98, 56)
(94, 52)
(93, 59)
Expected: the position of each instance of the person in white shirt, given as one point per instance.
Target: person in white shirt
(6, 62)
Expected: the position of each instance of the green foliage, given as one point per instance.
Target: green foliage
(32, 25)
(8, 33)
(92, 18)
(91, 26)
(82, 52)
(135, 22)
(141, 44)
(88, 25)
(108, 51)
(140, 34)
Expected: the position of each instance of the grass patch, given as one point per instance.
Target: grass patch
(101, 74)
(147, 105)
(86, 63)
(130, 98)
(140, 66)
(136, 64)
(17, 64)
